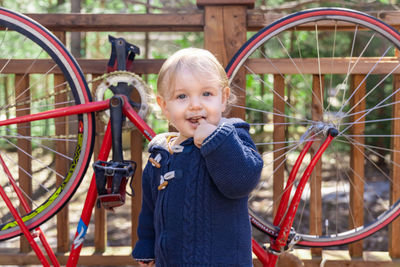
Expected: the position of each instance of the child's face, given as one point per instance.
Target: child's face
(192, 98)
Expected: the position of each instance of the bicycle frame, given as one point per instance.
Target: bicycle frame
(285, 214)
(283, 219)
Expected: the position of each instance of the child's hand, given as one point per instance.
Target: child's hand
(149, 264)
(202, 132)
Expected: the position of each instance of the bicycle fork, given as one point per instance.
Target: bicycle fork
(285, 215)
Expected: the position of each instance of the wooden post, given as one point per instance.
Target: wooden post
(60, 162)
(316, 175)
(394, 227)
(23, 129)
(136, 199)
(224, 33)
(356, 216)
(100, 218)
(136, 156)
(279, 138)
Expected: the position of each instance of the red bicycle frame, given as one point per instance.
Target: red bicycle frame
(284, 216)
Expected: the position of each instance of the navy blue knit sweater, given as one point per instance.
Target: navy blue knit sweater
(200, 217)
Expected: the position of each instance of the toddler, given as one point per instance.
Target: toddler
(196, 182)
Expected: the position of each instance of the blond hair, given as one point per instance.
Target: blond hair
(197, 61)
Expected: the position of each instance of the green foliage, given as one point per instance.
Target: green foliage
(290, 6)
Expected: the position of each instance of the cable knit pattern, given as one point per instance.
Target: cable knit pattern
(201, 217)
(189, 222)
(201, 228)
(206, 219)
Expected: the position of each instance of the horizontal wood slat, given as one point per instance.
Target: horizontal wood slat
(328, 66)
(272, 66)
(121, 22)
(257, 20)
(167, 22)
(93, 66)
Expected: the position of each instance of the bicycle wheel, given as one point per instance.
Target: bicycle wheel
(308, 71)
(47, 158)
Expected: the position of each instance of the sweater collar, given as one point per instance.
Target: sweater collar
(161, 142)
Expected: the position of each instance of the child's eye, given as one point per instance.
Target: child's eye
(181, 96)
(207, 94)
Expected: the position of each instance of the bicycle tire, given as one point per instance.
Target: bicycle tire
(282, 40)
(51, 78)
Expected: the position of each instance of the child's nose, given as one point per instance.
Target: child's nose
(195, 103)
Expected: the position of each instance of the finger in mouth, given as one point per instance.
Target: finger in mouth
(196, 119)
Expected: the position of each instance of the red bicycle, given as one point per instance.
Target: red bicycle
(322, 81)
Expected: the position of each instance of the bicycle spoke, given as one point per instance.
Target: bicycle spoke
(272, 113)
(29, 88)
(261, 185)
(39, 138)
(274, 92)
(278, 123)
(319, 69)
(354, 65)
(369, 111)
(294, 64)
(348, 67)
(372, 151)
(12, 56)
(376, 86)
(33, 158)
(370, 121)
(29, 175)
(369, 146)
(377, 107)
(307, 193)
(253, 97)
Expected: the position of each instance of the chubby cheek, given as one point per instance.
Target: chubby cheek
(175, 114)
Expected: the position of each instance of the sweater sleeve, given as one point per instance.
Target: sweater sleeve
(144, 248)
(232, 160)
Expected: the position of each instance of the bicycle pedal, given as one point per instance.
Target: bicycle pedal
(111, 180)
(111, 201)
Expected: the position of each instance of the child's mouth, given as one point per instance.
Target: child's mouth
(195, 120)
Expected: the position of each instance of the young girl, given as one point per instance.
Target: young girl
(197, 181)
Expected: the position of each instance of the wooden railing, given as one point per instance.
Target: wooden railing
(225, 24)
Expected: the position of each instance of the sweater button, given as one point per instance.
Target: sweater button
(162, 186)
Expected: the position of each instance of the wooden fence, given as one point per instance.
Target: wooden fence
(225, 24)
